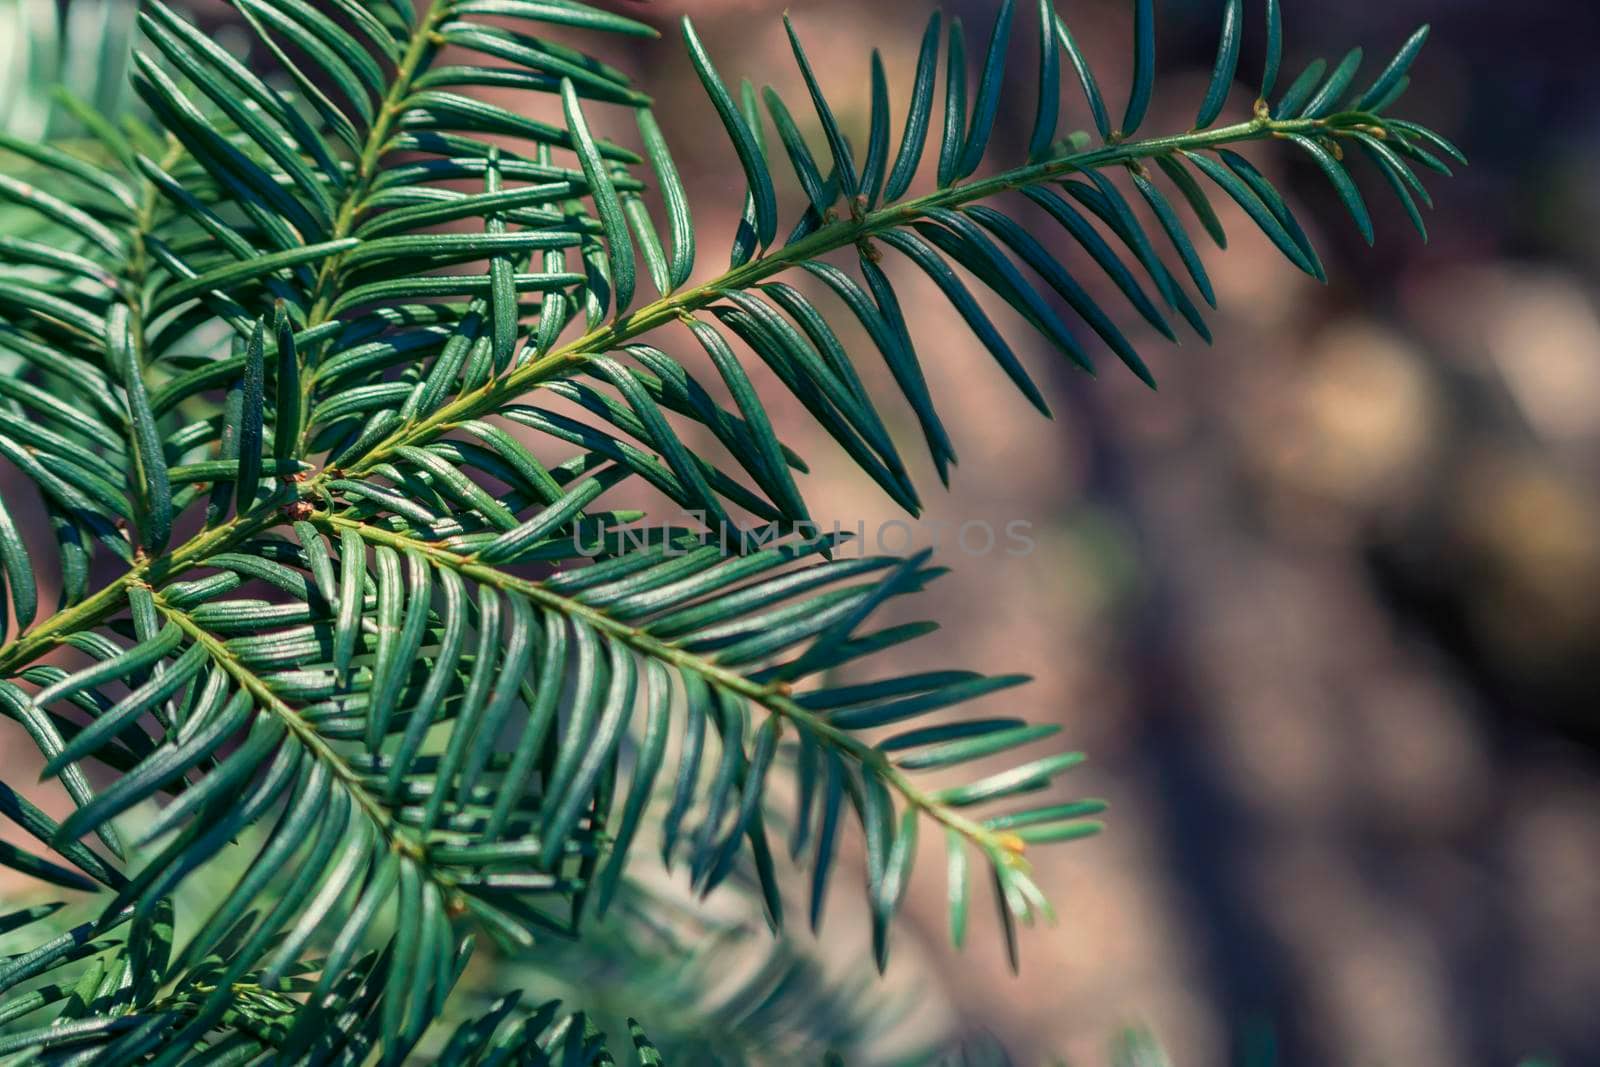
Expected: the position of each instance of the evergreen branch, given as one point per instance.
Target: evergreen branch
(839, 234)
(303, 734)
(497, 392)
(156, 571)
(1004, 848)
(409, 735)
(418, 52)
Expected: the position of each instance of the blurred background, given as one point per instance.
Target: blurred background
(1324, 610)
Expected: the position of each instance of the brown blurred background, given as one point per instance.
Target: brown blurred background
(1324, 609)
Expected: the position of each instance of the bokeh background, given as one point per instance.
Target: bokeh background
(1324, 610)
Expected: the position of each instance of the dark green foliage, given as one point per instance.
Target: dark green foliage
(374, 680)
